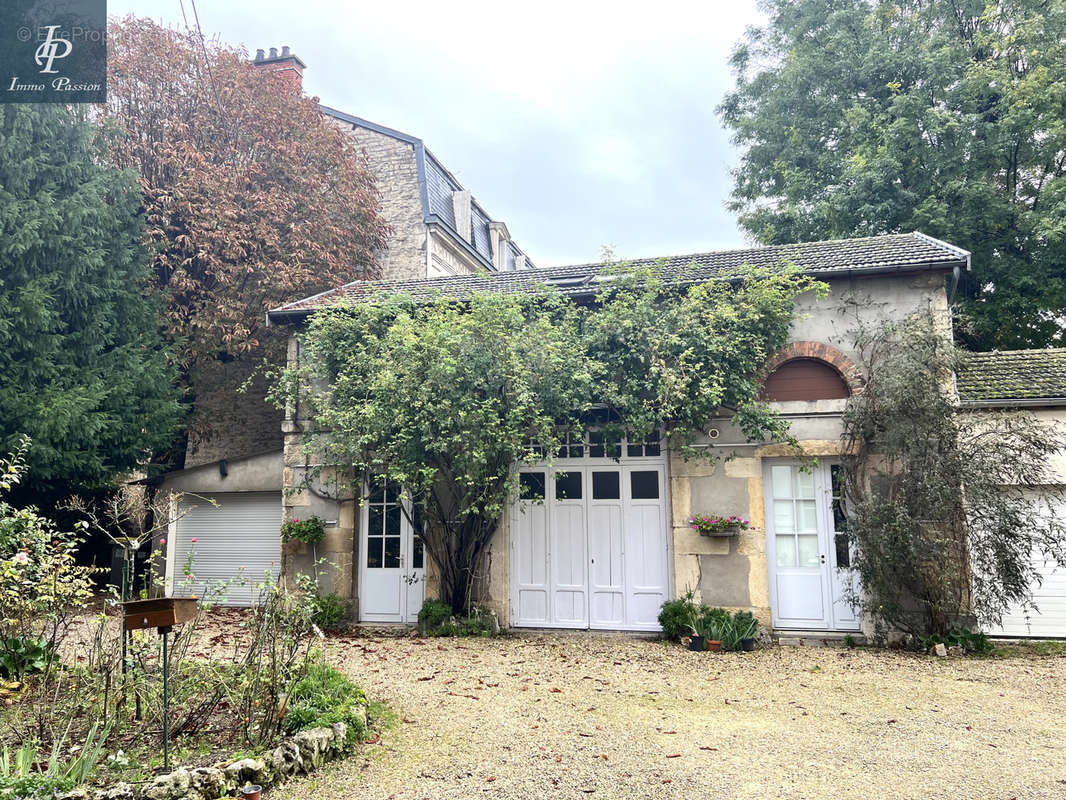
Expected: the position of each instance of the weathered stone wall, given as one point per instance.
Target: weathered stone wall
(395, 169)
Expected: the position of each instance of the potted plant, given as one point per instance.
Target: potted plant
(717, 525)
(745, 629)
(697, 641)
(717, 630)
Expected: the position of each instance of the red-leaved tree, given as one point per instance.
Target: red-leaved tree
(252, 197)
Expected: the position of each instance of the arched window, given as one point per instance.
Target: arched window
(805, 379)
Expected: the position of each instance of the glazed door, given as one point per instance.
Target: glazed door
(391, 559)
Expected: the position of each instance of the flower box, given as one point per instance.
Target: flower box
(710, 525)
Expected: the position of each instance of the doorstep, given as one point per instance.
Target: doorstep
(789, 638)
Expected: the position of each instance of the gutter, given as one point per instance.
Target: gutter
(1032, 402)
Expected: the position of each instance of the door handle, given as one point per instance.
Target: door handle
(822, 558)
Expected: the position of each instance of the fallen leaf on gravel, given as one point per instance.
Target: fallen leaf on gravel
(490, 779)
(557, 690)
(674, 755)
(708, 748)
(408, 720)
(558, 759)
(603, 756)
(667, 780)
(890, 721)
(446, 681)
(425, 678)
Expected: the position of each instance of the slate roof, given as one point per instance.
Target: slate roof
(436, 184)
(902, 252)
(999, 377)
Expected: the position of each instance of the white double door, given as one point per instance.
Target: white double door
(589, 547)
(807, 548)
(392, 559)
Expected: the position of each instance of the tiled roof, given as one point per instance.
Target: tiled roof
(1012, 375)
(889, 253)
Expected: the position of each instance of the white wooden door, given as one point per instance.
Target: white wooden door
(237, 546)
(647, 566)
(607, 583)
(391, 561)
(808, 557)
(589, 542)
(568, 540)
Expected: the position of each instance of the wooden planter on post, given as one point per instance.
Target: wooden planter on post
(161, 613)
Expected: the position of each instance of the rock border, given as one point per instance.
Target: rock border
(305, 752)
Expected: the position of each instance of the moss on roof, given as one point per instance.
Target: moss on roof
(1012, 375)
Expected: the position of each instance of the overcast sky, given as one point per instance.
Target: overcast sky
(578, 124)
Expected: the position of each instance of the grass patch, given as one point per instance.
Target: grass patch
(1029, 649)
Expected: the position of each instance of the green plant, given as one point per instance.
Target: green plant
(21, 656)
(678, 617)
(712, 523)
(433, 615)
(308, 531)
(328, 611)
(323, 696)
(24, 775)
(971, 642)
(435, 619)
(850, 642)
(742, 625)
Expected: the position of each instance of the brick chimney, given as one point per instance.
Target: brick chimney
(289, 67)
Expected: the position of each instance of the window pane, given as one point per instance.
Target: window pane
(393, 516)
(568, 486)
(807, 514)
(783, 519)
(392, 494)
(808, 550)
(375, 521)
(576, 450)
(840, 520)
(804, 484)
(644, 485)
(843, 552)
(781, 477)
(418, 554)
(786, 551)
(392, 552)
(651, 449)
(531, 486)
(596, 449)
(417, 515)
(606, 486)
(836, 479)
(373, 552)
(634, 450)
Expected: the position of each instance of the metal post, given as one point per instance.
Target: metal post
(166, 702)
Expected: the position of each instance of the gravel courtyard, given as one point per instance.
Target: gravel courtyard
(589, 716)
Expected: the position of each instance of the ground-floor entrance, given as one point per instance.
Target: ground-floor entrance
(392, 560)
(807, 548)
(590, 545)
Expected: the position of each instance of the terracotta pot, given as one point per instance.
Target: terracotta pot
(695, 643)
(714, 645)
(251, 792)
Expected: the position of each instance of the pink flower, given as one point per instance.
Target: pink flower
(21, 557)
(194, 540)
(189, 576)
(162, 541)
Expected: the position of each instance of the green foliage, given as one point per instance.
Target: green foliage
(858, 118)
(972, 642)
(944, 508)
(683, 617)
(325, 696)
(83, 369)
(24, 773)
(308, 531)
(443, 398)
(21, 656)
(436, 619)
(328, 611)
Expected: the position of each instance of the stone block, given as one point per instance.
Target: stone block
(743, 468)
(690, 542)
(170, 786)
(336, 540)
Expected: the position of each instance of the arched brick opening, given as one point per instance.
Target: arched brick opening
(819, 353)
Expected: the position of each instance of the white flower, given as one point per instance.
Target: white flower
(22, 557)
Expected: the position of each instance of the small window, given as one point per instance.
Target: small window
(606, 486)
(392, 552)
(531, 486)
(644, 485)
(843, 550)
(568, 486)
(418, 556)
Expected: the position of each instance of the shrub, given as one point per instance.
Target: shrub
(328, 611)
(24, 655)
(433, 615)
(325, 696)
(435, 619)
(308, 531)
(971, 642)
(677, 616)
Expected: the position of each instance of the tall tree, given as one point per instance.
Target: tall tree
(253, 198)
(859, 117)
(82, 367)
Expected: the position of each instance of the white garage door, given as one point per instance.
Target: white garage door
(238, 542)
(589, 548)
(1048, 619)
